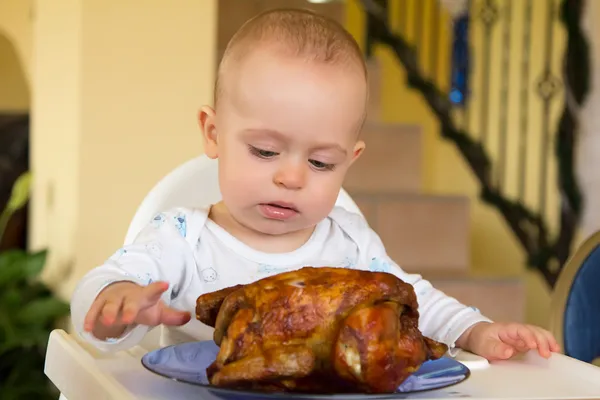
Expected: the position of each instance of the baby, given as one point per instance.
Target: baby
(290, 102)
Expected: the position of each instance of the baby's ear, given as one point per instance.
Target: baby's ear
(207, 122)
(359, 147)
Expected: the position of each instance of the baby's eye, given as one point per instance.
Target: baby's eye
(262, 153)
(322, 166)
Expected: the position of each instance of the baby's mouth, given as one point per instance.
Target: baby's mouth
(284, 206)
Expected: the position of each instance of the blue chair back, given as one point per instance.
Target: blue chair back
(577, 298)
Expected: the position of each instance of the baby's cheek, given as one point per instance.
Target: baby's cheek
(246, 179)
(323, 198)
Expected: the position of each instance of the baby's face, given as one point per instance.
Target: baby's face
(286, 133)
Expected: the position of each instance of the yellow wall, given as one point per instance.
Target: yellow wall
(143, 82)
(14, 90)
(14, 56)
(15, 25)
(114, 95)
(494, 249)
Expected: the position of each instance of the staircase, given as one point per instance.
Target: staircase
(423, 233)
(519, 148)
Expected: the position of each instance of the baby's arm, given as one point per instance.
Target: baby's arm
(441, 317)
(446, 320)
(160, 253)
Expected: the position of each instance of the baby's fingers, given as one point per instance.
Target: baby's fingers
(92, 315)
(525, 333)
(545, 341)
(517, 342)
(171, 316)
(111, 311)
(554, 346)
(151, 293)
(131, 308)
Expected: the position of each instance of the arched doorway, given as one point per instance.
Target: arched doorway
(14, 138)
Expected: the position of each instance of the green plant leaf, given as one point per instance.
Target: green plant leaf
(26, 338)
(28, 311)
(9, 256)
(42, 311)
(11, 298)
(20, 192)
(12, 267)
(34, 263)
(7, 327)
(34, 289)
(22, 376)
(16, 265)
(18, 198)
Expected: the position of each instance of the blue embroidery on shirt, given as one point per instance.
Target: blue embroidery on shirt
(266, 269)
(181, 224)
(273, 269)
(118, 254)
(158, 220)
(146, 278)
(348, 263)
(378, 265)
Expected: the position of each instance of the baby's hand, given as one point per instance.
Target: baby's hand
(500, 341)
(123, 303)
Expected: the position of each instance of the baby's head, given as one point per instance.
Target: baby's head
(290, 100)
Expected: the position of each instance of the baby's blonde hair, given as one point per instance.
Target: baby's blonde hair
(296, 32)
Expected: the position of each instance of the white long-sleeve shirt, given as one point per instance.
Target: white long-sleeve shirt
(195, 255)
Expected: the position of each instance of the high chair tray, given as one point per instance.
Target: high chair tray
(83, 373)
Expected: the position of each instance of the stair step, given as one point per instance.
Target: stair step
(391, 161)
(421, 233)
(500, 299)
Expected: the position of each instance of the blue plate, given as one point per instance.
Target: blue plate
(187, 363)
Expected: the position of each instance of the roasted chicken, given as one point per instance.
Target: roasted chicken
(317, 330)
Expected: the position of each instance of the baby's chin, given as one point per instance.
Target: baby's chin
(278, 228)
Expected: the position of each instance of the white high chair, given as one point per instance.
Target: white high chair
(194, 183)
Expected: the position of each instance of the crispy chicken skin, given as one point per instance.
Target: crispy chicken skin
(317, 330)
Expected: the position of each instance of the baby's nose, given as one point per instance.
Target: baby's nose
(291, 177)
